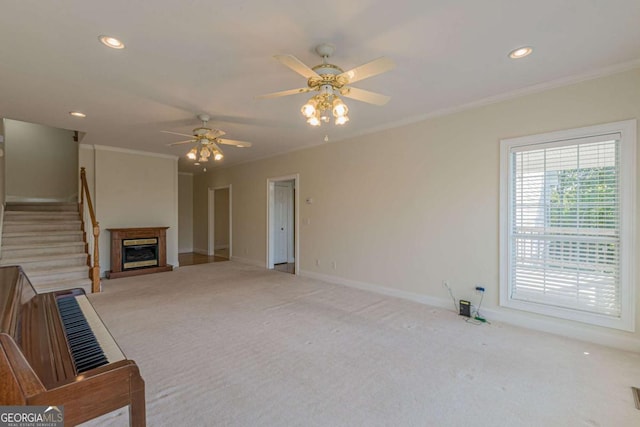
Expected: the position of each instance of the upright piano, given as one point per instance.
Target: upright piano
(55, 351)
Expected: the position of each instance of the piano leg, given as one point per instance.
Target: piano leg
(137, 409)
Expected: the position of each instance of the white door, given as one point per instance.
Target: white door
(283, 218)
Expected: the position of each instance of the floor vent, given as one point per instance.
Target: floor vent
(636, 396)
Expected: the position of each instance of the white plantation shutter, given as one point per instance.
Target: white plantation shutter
(563, 225)
(565, 247)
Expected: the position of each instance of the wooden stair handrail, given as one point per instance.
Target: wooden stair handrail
(94, 270)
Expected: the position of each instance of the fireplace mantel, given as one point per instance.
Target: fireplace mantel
(120, 234)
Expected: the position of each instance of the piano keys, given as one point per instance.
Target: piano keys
(55, 350)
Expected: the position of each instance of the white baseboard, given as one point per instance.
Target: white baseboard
(505, 315)
(220, 247)
(201, 251)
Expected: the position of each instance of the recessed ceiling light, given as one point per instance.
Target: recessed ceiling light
(520, 52)
(77, 114)
(111, 42)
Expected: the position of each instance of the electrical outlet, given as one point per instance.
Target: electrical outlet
(445, 284)
(479, 289)
(334, 265)
(317, 262)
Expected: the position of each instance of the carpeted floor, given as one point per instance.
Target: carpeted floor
(226, 344)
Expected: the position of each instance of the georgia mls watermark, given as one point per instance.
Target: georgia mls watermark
(31, 416)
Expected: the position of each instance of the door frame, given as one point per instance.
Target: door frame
(211, 212)
(296, 217)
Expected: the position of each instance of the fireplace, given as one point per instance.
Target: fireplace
(137, 251)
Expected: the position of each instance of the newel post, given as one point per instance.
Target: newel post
(95, 270)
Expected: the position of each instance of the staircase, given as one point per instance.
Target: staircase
(47, 240)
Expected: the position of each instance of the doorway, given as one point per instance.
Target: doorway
(220, 239)
(282, 220)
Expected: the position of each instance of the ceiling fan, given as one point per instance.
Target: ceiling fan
(206, 141)
(331, 81)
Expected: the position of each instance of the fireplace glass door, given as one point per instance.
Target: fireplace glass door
(139, 253)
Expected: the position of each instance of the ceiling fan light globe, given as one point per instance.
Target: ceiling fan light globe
(340, 109)
(309, 109)
(314, 121)
(203, 159)
(341, 120)
(217, 156)
(192, 154)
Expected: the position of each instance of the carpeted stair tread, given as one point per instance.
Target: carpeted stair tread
(18, 226)
(63, 284)
(43, 259)
(40, 233)
(38, 207)
(39, 218)
(57, 270)
(47, 240)
(13, 213)
(57, 274)
(41, 245)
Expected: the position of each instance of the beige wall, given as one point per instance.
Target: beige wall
(133, 189)
(43, 163)
(200, 207)
(2, 180)
(185, 212)
(401, 210)
(221, 218)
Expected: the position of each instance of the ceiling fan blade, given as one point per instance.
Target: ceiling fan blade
(215, 146)
(296, 65)
(214, 133)
(370, 69)
(364, 95)
(240, 144)
(181, 142)
(176, 133)
(285, 93)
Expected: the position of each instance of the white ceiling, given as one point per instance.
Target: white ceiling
(189, 56)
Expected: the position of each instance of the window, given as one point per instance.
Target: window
(567, 224)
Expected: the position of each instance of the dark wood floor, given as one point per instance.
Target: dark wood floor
(192, 258)
(286, 267)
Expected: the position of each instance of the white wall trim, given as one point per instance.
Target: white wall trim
(201, 251)
(185, 173)
(211, 223)
(504, 315)
(129, 151)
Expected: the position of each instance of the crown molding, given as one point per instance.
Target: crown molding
(127, 151)
(529, 90)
